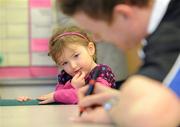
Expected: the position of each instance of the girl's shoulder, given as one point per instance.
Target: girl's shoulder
(103, 67)
(105, 72)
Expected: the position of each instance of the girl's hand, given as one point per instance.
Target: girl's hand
(23, 98)
(78, 80)
(45, 99)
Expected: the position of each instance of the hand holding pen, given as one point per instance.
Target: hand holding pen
(91, 86)
(101, 94)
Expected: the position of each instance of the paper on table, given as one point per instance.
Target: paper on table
(41, 20)
(16, 46)
(28, 72)
(14, 3)
(17, 31)
(39, 45)
(17, 15)
(18, 59)
(40, 3)
(42, 59)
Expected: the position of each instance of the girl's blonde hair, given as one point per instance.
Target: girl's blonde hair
(65, 36)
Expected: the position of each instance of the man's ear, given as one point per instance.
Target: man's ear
(91, 48)
(123, 10)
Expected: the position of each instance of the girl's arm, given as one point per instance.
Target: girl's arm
(68, 94)
(103, 82)
(65, 94)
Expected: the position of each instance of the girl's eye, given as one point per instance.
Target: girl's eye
(64, 63)
(76, 55)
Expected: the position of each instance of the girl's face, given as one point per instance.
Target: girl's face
(77, 58)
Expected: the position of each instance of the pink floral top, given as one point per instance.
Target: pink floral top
(67, 94)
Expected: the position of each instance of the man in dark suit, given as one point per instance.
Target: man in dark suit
(125, 23)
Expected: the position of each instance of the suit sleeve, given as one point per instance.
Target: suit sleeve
(161, 51)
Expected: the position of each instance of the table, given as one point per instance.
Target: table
(14, 102)
(41, 116)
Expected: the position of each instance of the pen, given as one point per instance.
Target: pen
(91, 88)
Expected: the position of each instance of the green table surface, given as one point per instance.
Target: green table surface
(14, 102)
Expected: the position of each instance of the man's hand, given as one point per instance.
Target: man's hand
(90, 115)
(101, 94)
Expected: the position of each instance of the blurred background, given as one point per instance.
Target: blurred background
(25, 68)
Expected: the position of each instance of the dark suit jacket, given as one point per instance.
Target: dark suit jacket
(163, 45)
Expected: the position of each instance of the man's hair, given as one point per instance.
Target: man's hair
(96, 9)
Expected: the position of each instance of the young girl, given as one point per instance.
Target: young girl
(73, 50)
